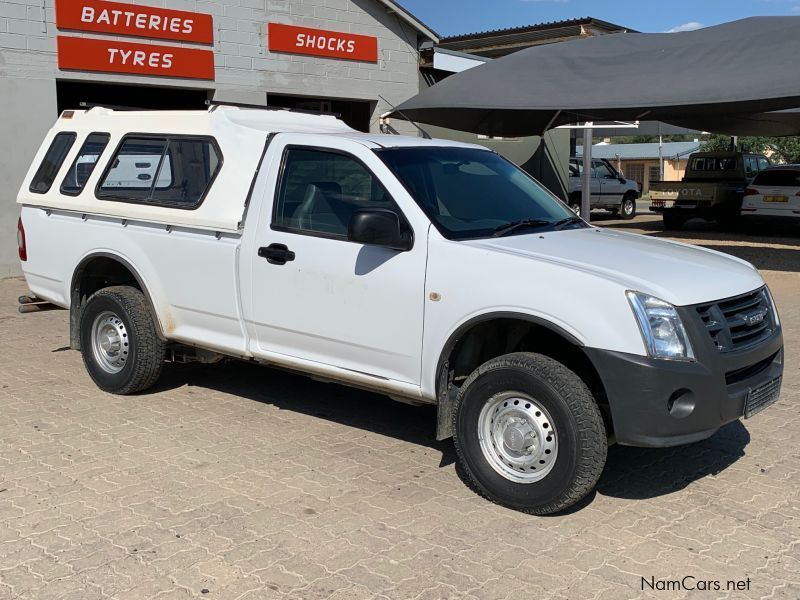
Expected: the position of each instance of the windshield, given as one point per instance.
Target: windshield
(471, 193)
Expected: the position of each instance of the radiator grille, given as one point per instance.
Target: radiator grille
(740, 322)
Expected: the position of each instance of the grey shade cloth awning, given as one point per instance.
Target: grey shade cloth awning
(780, 123)
(710, 79)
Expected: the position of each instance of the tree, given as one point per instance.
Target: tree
(785, 149)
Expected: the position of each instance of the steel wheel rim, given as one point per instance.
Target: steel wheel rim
(576, 208)
(517, 437)
(110, 343)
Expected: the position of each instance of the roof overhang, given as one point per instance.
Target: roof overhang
(404, 15)
(455, 62)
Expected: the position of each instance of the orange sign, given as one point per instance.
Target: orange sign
(321, 42)
(128, 19)
(109, 56)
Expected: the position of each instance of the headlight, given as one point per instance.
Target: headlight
(771, 301)
(661, 327)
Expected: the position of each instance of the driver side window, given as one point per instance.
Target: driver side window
(321, 189)
(601, 171)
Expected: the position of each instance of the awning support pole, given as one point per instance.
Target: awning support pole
(586, 192)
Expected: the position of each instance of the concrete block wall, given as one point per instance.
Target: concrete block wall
(245, 70)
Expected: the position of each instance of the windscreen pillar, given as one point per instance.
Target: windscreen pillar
(586, 191)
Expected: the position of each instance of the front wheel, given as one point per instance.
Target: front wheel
(529, 434)
(120, 345)
(627, 209)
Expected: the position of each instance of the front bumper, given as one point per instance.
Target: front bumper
(660, 403)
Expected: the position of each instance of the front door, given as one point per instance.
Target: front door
(611, 189)
(329, 300)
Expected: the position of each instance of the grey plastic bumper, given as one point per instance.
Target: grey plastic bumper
(667, 403)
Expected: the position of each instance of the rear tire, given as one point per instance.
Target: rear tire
(120, 345)
(575, 205)
(627, 208)
(529, 434)
(673, 222)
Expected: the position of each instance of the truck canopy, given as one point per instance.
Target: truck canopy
(73, 167)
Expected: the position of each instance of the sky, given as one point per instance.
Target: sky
(453, 17)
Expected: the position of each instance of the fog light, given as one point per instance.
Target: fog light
(681, 403)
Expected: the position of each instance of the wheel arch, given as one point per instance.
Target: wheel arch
(631, 193)
(513, 331)
(84, 282)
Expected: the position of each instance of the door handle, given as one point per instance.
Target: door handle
(276, 254)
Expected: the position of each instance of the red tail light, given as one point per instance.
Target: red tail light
(751, 192)
(23, 249)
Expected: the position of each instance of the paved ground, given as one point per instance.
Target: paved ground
(242, 482)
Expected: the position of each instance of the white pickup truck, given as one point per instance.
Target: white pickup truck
(428, 270)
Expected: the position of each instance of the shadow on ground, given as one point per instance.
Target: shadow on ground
(633, 473)
(639, 473)
(288, 391)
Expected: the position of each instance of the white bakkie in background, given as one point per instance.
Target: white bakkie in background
(428, 270)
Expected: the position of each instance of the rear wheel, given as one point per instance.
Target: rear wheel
(627, 208)
(673, 222)
(575, 205)
(120, 345)
(529, 434)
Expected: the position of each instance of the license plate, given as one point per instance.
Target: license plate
(776, 199)
(761, 397)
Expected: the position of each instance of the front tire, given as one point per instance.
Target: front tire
(574, 203)
(120, 345)
(627, 208)
(529, 434)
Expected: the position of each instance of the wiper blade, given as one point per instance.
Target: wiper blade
(558, 225)
(521, 224)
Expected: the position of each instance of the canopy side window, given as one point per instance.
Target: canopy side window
(51, 164)
(84, 163)
(168, 171)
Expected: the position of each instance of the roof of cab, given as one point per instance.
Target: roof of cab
(383, 140)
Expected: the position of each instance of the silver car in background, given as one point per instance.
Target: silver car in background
(610, 190)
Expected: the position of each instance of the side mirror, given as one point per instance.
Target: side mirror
(622, 179)
(378, 227)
